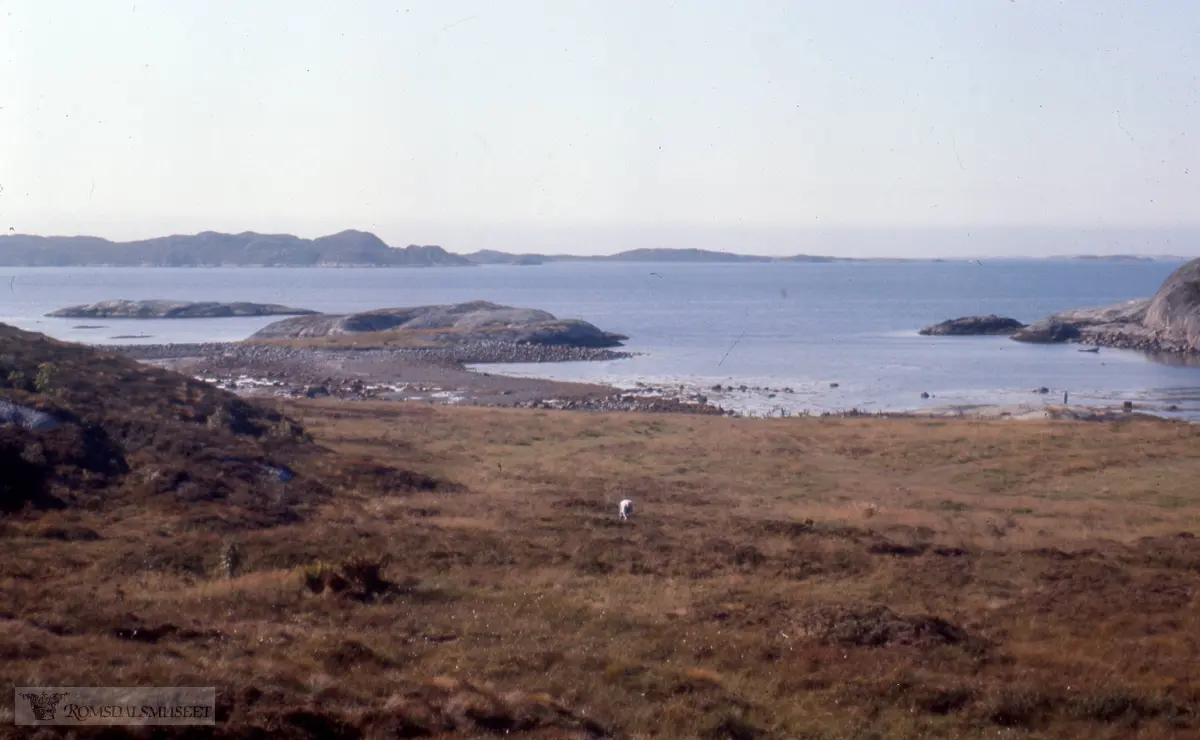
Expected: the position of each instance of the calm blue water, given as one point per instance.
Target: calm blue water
(801, 325)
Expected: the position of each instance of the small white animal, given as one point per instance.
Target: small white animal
(625, 508)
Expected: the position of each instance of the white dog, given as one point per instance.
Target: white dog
(625, 508)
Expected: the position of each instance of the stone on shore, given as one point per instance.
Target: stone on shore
(974, 326)
(158, 309)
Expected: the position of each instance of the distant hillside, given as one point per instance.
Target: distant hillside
(210, 248)
(351, 248)
(1113, 258)
(810, 258)
(493, 257)
(683, 255)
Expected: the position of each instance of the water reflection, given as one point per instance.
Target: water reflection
(1175, 359)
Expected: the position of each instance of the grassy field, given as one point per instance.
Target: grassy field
(790, 578)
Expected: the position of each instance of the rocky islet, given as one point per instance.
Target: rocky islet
(974, 326)
(162, 309)
(460, 323)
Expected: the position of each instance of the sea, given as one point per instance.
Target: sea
(839, 335)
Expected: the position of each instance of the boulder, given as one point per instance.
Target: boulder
(974, 326)
(156, 309)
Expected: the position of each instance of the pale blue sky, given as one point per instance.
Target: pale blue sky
(595, 126)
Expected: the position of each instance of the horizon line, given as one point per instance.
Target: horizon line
(783, 256)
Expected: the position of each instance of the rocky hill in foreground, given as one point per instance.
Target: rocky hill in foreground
(154, 526)
(83, 429)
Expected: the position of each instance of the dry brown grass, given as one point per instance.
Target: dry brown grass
(815, 578)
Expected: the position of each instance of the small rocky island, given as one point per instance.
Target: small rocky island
(974, 326)
(157, 309)
(476, 321)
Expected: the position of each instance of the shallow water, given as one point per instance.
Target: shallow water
(801, 326)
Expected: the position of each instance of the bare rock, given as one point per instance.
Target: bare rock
(1174, 313)
(477, 321)
(974, 326)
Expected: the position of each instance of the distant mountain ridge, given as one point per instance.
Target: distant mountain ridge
(493, 257)
(353, 248)
(686, 254)
(210, 248)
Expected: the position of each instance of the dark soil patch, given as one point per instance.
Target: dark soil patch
(878, 626)
(885, 547)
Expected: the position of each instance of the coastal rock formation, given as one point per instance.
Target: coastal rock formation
(462, 322)
(155, 309)
(1174, 312)
(1168, 322)
(1089, 325)
(974, 325)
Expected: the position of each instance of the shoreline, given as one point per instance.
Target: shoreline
(441, 376)
(423, 375)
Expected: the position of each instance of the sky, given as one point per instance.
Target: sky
(856, 127)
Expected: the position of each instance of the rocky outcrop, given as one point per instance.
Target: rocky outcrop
(462, 322)
(1173, 315)
(1089, 325)
(973, 326)
(1168, 322)
(155, 309)
(1047, 331)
